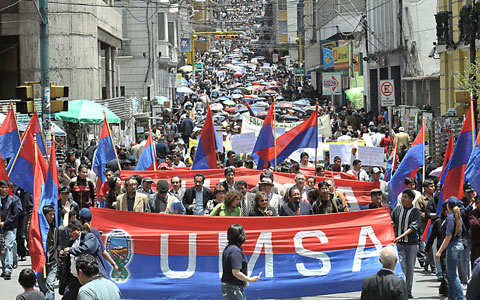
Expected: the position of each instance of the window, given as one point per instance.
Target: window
(282, 4)
(161, 26)
(171, 33)
(282, 27)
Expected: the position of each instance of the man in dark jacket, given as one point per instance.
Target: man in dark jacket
(83, 190)
(196, 198)
(385, 284)
(186, 128)
(9, 223)
(295, 207)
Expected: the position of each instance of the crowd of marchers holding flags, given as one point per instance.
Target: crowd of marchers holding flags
(46, 193)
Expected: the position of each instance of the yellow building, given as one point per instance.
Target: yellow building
(453, 29)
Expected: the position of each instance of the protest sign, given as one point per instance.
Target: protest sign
(180, 257)
(371, 156)
(243, 143)
(342, 150)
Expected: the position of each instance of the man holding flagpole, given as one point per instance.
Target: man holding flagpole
(9, 222)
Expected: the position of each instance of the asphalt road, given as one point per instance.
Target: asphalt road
(425, 286)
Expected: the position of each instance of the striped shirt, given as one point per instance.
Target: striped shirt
(403, 219)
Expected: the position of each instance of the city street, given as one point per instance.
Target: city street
(425, 286)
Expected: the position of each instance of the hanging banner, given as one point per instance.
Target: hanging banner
(180, 257)
(356, 192)
(252, 124)
(341, 57)
(327, 58)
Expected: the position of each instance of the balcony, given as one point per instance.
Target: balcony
(444, 28)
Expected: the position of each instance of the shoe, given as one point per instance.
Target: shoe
(410, 296)
(425, 267)
(3, 274)
(421, 263)
(8, 276)
(22, 258)
(15, 265)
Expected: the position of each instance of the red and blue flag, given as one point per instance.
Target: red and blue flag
(250, 110)
(453, 175)
(36, 130)
(304, 135)
(414, 159)
(148, 160)
(37, 229)
(265, 140)
(472, 170)
(206, 155)
(105, 153)
(391, 163)
(9, 136)
(21, 167)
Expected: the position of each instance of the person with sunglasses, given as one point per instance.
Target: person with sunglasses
(261, 207)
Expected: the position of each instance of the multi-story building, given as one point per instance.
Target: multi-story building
(150, 50)
(80, 34)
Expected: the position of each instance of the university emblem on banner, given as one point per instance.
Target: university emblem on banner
(119, 245)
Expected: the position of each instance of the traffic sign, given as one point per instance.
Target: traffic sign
(387, 93)
(299, 71)
(198, 67)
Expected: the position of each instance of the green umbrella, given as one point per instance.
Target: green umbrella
(86, 111)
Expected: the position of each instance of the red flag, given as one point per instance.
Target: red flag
(448, 152)
(37, 253)
(206, 155)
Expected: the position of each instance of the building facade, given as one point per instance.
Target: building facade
(80, 34)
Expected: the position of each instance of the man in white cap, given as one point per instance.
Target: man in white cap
(376, 174)
(403, 138)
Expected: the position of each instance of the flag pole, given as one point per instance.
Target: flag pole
(423, 168)
(41, 134)
(19, 150)
(316, 148)
(472, 113)
(111, 139)
(153, 147)
(275, 133)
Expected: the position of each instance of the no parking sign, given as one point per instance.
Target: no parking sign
(387, 93)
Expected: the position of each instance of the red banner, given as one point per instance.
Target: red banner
(356, 192)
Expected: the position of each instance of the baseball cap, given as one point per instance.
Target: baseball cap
(376, 170)
(85, 214)
(265, 180)
(163, 165)
(147, 179)
(467, 187)
(374, 191)
(453, 201)
(163, 185)
(401, 129)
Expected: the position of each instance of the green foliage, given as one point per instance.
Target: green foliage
(470, 79)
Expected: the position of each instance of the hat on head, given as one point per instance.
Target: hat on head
(163, 186)
(467, 187)
(163, 165)
(376, 170)
(85, 214)
(453, 201)
(126, 162)
(401, 129)
(371, 123)
(374, 191)
(266, 180)
(147, 179)
(132, 158)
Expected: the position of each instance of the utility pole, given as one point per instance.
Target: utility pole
(473, 55)
(44, 65)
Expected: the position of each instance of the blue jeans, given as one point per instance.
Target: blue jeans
(47, 285)
(453, 255)
(407, 254)
(438, 265)
(464, 263)
(233, 292)
(7, 258)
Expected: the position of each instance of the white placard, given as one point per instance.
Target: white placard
(140, 129)
(243, 143)
(250, 124)
(311, 152)
(371, 156)
(342, 150)
(368, 140)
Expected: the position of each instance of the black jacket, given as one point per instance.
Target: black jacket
(190, 195)
(9, 212)
(83, 192)
(384, 285)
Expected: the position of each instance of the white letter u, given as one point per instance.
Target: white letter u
(192, 257)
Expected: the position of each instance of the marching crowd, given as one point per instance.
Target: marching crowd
(75, 252)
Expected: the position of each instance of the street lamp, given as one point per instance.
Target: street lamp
(193, 56)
